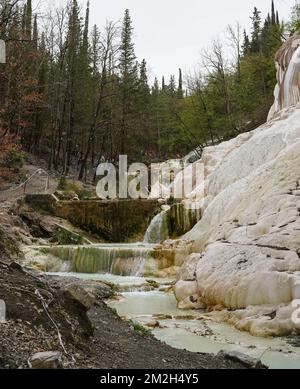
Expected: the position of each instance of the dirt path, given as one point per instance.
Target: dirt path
(37, 184)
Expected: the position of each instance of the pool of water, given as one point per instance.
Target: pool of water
(191, 330)
(203, 335)
(137, 304)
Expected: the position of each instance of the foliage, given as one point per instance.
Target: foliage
(74, 187)
(294, 24)
(138, 327)
(65, 237)
(13, 159)
(79, 96)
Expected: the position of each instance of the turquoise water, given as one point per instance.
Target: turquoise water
(197, 333)
(203, 335)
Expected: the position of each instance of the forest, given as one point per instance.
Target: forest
(74, 94)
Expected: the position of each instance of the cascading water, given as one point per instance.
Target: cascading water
(123, 259)
(158, 230)
(287, 90)
(174, 221)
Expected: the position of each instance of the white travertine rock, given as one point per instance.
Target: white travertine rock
(184, 289)
(287, 90)
(248, 240)
(189, 268)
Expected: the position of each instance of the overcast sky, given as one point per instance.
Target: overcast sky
(171, 33)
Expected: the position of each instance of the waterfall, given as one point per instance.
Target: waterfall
(291, 82)
(123, 259)
(173, 222)
(158, 230)
(287, 90)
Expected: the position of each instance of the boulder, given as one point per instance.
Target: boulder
(79, 294)
(184, 289)
(46, 360)
(245, 360)
(152, 324)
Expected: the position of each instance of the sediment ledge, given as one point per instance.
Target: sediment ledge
(116, 221)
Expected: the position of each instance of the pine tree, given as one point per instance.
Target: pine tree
(85, 40)
(143, 81)
(24, 14)
(256, 30)
(127, 56)
(180, 93)
(155, 87)
(277, 18)
(163, 84)
(246, 44)
(41, 110)
(172, 86)
(84, 75)
(28, 28)
(35, 33)
(73, 47)
(273, 14)
(128, 72)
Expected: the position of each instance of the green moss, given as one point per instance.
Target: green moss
(139, 328)
(76, 187)
(115, 312)
(153, 284)
(65, 237)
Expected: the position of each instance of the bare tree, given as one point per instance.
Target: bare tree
(217, 67)
(235, 42)
(108, 50)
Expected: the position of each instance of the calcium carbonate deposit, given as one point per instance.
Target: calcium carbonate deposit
(245, 261)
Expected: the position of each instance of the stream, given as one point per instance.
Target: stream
(190, 329)
(150, 301)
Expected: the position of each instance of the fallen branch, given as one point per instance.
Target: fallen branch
(45, 306)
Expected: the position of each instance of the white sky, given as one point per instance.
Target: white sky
(171, 33)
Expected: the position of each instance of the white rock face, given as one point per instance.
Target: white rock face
(248, 240)
(287, 90)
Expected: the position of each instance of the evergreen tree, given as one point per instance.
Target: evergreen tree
(256, 29)
(73, 47)
(273, 14)
(128, 73)
(172, 86)
(277, 19)
(24, 15)
(84, 74)
(163, 84)
(35, 33)
(180, 93)
(246, 44)
(28, 27)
